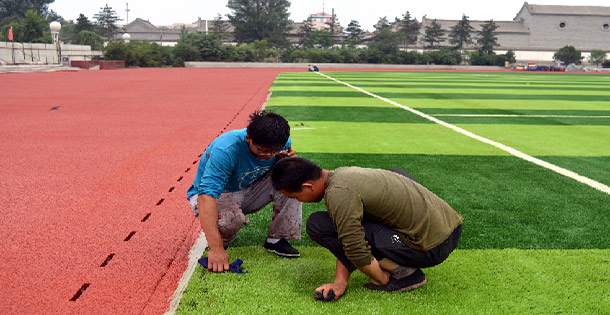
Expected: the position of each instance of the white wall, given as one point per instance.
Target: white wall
(41, 53)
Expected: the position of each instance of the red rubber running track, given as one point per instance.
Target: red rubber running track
(94, 169)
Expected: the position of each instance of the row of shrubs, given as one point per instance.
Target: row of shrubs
(197, 47)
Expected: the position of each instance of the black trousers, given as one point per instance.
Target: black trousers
(384, 242)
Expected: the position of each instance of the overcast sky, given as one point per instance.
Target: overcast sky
(162, 13)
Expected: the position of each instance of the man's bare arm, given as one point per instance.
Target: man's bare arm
(218, 260)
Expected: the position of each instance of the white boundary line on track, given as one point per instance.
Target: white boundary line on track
(506, 115)
(585, 180)
(194, 255)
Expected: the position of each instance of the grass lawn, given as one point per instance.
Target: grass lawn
(534, 241)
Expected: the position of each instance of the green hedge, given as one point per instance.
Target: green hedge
(201, 47)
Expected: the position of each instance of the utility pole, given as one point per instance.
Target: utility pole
(127, 10)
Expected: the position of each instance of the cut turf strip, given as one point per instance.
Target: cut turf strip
(562, 171)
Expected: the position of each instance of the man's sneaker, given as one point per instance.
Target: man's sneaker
(282, 248)
(411, 282)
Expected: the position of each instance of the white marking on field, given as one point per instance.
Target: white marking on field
(508, 115)
(194, 255)
(585, 180)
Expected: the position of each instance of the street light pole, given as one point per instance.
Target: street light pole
(55, 28)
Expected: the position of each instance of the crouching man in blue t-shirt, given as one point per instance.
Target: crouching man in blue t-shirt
(233, 180)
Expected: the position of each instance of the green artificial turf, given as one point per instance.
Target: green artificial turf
(534, 241)
(596, 167)
(468, 282)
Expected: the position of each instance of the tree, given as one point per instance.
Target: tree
(597, 57)
(30, 29)
(90, 38)
(409, 28)
(460, 33)
(354, 32)
(318, 39)
(384, 47)
(260, 19)
(433, 35)
(83, 24)
(106, 21)
(382, 24)
(221, 28)
(568, 54)
(487, 40)
(18, 8)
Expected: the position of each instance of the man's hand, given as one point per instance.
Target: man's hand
(218, 260)
(287, 153)
(338, 289)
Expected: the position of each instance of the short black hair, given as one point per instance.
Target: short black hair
(290, 173)
(268, 129)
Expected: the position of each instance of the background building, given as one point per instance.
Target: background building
(538, 31)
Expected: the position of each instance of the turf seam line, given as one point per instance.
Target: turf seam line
(582, 179)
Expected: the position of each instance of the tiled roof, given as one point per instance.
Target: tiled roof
(568, 10)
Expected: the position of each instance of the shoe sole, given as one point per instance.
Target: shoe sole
(283, 254)
(412, 287)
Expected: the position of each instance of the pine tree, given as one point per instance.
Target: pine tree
(382, 24)
(487, 40)
(433, 34)
(354, 32)
(106, 21)
(260, 20)
(460, 33)
(409, 28)
(83, 24)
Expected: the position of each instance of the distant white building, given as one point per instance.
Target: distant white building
(538, 31)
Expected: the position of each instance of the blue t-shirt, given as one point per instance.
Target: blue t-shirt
(228, 164)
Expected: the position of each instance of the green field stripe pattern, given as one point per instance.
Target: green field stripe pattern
(534, 241)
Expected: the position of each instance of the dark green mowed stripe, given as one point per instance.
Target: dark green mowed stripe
(474, 86)
(592, 121)
(351, 114)
(399, 115)
(444, 96)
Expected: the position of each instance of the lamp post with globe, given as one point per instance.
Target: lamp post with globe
(55, 28)
(126, 37)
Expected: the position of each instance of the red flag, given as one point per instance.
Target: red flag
(10, 33)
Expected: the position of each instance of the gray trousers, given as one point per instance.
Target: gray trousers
(233, 206)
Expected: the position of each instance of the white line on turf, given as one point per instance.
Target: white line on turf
(517, 153)
(506, 115)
